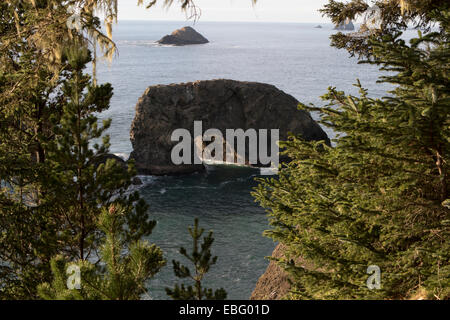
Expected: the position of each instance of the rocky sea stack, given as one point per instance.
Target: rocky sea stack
(182, 37)
(219, 104)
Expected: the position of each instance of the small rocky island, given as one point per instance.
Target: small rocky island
(345, 26)
(182, 37)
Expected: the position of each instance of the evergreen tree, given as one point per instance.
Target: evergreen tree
(379, 196)
(124, 269)
(52, 186)
(55, 188)
(29, 96)
(202, 260)
(381, 18)
(81, 178)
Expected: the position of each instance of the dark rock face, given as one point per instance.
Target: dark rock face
(183, 36)
(136, 181)
(345, 26)
(219, 104)
(274, 283)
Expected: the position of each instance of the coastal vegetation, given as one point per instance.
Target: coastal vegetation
(202, 260)
(378, 195)
(63, 200)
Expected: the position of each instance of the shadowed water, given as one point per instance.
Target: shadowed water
(220, 199)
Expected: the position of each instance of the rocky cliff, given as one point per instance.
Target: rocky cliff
(183, 36)
(219, 104)
(274, 283)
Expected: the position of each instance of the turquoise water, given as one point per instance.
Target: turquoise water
(296, 58)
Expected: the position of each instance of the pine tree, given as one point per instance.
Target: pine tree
(123, 272)
(29, 96)
(83, 182)
(54, 191)
(52, 187)
(379, 196)
(202, 260)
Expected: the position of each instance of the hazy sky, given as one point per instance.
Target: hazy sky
(231, 10)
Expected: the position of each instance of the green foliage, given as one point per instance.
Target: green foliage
(83, 180)
(396, 15)
(54, 178)
(202, 260)
(379, 195)
(122, 274)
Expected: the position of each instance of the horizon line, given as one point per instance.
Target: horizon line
(218, 21)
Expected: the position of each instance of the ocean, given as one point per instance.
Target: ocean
(294, 57)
